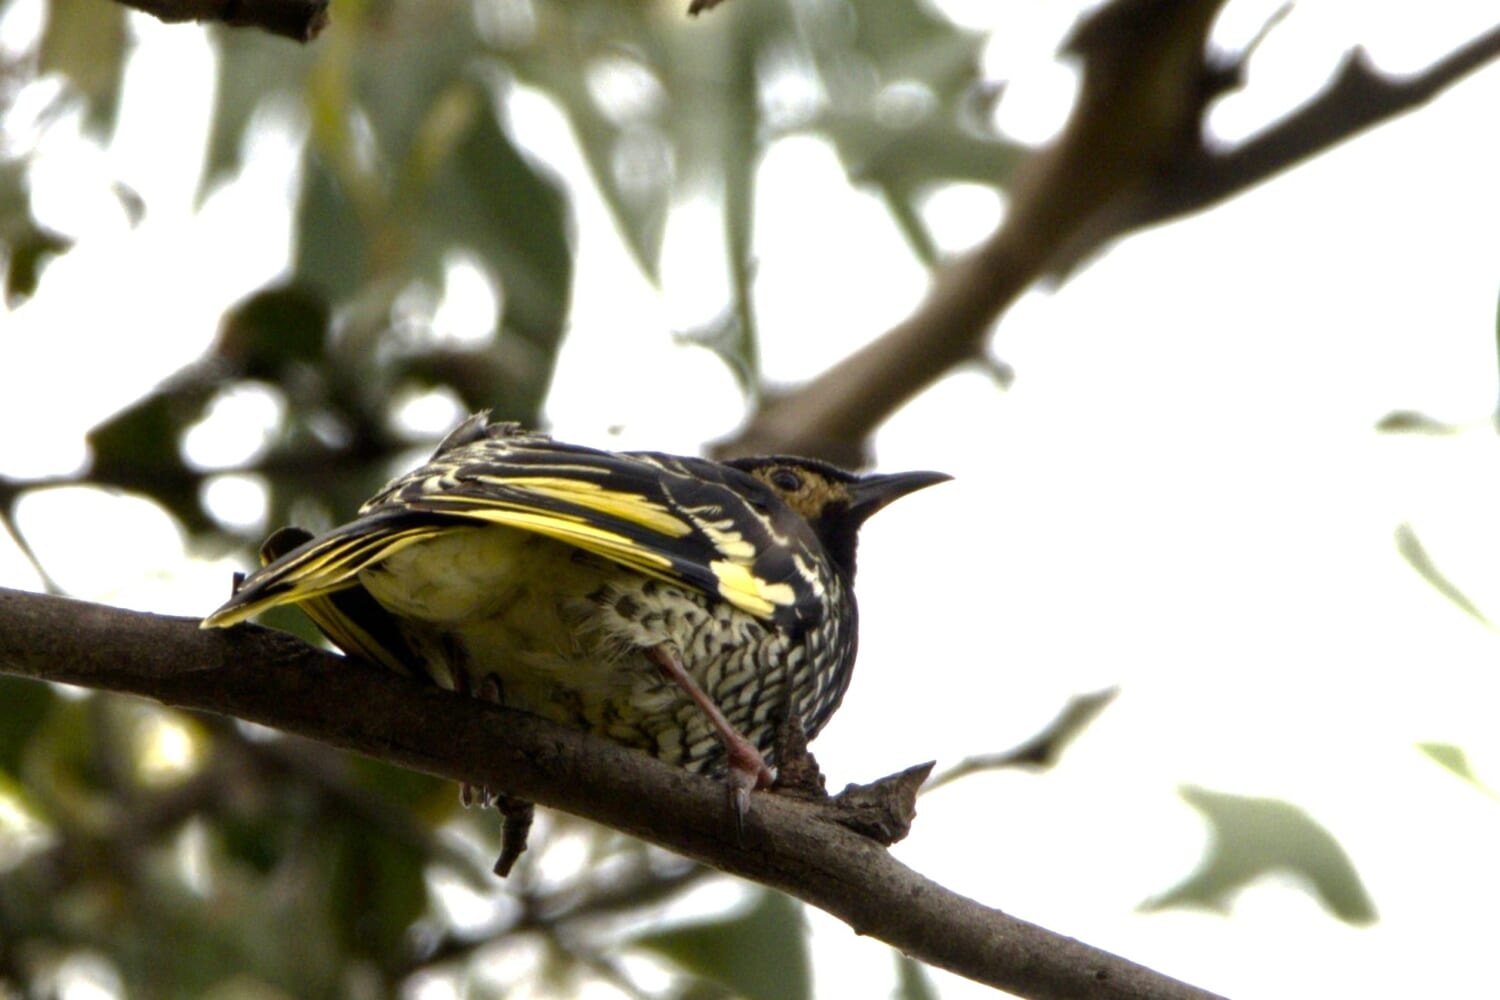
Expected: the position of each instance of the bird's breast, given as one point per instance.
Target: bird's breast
(564, 634)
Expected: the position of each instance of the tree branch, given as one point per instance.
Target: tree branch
(299, 20)
(1356, 99)
(277, 680)
(1132, 155)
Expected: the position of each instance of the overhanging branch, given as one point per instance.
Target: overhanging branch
(1133, 154)
(277, 680)
(299, 20)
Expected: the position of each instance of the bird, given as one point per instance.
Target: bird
(676, 605)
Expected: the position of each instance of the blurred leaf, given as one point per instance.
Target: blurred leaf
(273, 328)
(85, 41)
(1412, 422)
(181, 939)
(1453, 759)
(26, 706)
(912, 980)
(331, 250)
(487, 198)
(477, 377)
(1042, 750)
(378, 892)
(1416, 556)
(255, 71)
(907, 104)
(25, 245)
(719, 136)
(761, 954)
(28, 248)
(60, 762)
(401, 788)
(589, 53)
(139, 449)
(258, 841)
(1255, 837)
(408, 166)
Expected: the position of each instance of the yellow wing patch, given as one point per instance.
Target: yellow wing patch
(748, 592)
(737, 583)
(323, 570)
(630, 507)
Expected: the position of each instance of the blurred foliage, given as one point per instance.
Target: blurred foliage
(259, 866)
(760, 954)
(1417, 557)
(912, 981)
(1254, 837)
(1456, 761)
(263, 867)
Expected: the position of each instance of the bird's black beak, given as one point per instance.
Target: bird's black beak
(871, 493)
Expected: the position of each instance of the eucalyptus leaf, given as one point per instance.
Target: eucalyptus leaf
(86, 42)
(1417, 557)
(761, 954)
(1256, 837)
(1456, 761)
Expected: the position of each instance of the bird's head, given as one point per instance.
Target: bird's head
(833, 502)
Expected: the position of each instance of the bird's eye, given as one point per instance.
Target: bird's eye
(786, 480)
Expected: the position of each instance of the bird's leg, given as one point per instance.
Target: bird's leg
(488, 690)
(747, 768)
(516, 814)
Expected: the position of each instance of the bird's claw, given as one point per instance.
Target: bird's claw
(748, 771)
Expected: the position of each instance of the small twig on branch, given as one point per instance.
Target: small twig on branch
(1132, 154)
(299, 20)
(277, 680)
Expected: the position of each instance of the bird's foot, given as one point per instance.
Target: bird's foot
(470, 795)
(517, 814)
(748, 771)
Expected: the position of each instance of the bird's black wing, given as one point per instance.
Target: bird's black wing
(687, 521)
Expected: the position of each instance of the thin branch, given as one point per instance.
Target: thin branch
(1358, 98)
(275, 679)
(23, 544)
(1132, 155)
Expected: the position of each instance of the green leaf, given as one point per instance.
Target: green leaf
(378, 892)
(719, 136)
(1041, 751)
(1416, 556)
(29, 247)
(912, 980)
(26, 706)
(760, 954)
(138, 449)
(255, 71)
(628, 150)
(1255, 837)
(85, 42)
(1455, 760)
(331, 249)
(908, 106)
(25, 244)
(271, 329)
(1412, 422)
(488, 198)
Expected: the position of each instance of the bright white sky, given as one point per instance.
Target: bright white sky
(1183, 493)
